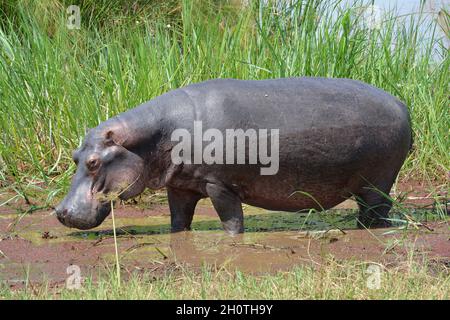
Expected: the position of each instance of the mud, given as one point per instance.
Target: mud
(34, 246)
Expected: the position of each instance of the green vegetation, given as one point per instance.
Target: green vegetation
(332, 280)
(56, 82)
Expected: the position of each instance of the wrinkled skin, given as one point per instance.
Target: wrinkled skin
(338, 138)
(104, 168)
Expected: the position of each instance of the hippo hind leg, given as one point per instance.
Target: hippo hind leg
(228, 206)
(182, 206)
(374, 206)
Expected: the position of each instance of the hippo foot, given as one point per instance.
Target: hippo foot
(182, 205)
(228, 207)
(233, 226)
(374, 206)
(373, 223)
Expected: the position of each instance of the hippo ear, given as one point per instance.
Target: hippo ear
(112, 137)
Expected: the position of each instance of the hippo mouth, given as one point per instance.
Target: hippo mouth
(88, 221)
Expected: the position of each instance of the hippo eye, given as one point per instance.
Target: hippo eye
(93, 163)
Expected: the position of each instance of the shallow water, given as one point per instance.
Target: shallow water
(38, 247)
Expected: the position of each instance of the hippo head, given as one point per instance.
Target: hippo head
(106, 169)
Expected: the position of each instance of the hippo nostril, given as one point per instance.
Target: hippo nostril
(61, 213)
(63, 216)
(61, 219)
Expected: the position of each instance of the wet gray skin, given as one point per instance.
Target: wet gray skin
(338, 138)
(105, 171)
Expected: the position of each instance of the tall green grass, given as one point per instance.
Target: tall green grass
(55, 82)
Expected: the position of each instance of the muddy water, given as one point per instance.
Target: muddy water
(36, 246)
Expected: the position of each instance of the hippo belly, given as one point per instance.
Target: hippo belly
(319, 173)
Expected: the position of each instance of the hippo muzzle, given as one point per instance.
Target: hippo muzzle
(105, 171)
(80, 209)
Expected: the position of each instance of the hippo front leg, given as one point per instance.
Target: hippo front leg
(182, 205)
(228, 207)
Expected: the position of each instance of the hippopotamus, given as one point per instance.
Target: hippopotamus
(336, 139)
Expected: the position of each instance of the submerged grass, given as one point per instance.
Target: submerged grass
(56, 82)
